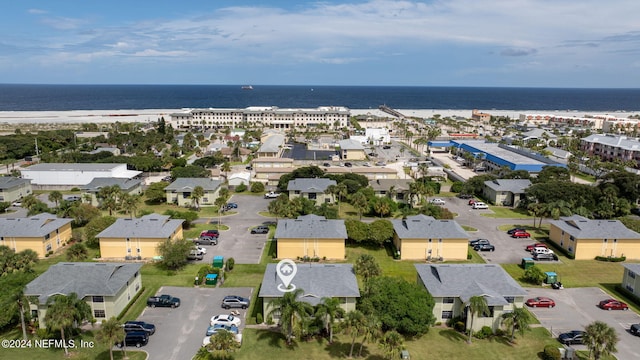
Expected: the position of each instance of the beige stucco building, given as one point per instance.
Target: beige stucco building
(422, 237)
(453, 285)
(179, 192)
(507, 192)
(106, 287)
(12, 188)
(586, 239)
(351, 150)
(312, 189)
(43, 233)
(127, 186)
(138, 238)
(311, 236)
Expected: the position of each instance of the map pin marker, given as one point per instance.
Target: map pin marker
(286, 270)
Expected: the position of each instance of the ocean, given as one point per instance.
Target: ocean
(15, 97)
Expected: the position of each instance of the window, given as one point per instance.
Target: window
(448, 300)
(572, 238)
(510, 299)
(46, 237)
(34, 314)
(48, 247)
(313, 196)
(97, 299)
(128, 239)
(487, 315)
(297, 192)
(447, 314)
(631, 274)
(99, 314)
(629, 287)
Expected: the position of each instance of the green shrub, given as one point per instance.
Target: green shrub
(457, 186)
(459, 326)
(259, 319)
(500, 332)
(611, 258)
(484, 333)
(269, 320)
(230, 263)
(241, 188)
(551, 352)
(533, 275)
(257, 187)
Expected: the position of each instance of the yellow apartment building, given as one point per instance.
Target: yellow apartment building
(422, 237)
(311, 236)
(42, 233)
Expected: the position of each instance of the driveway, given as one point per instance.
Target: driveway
(238, 242)
(576, 308)
(180, 331)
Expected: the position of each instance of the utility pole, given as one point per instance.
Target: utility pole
(37, 151)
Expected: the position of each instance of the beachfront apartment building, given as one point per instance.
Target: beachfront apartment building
(335, 117)
(594, 122)
(611, 147)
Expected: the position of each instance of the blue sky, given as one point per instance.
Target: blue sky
(527, 43)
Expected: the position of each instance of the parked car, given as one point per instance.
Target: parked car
(231, 206)
(73, 198)
(249, 168)
(529, 248)
(541, 301)
(387, 147)
(366, 164)
(464, 196)
(612, 304)
(520, 234)
(16, 203)
(163, 301)
(372, 154)
(380, 163)
(478, 242)
(134, 338)
(271, 195)
(233, 301)
(224, 327)
(484, 247)
(195, 255)
(348, 164)
(479, 205)
(225, 319)
(202, 250)
(436, 202)
(635, 329)
(571, 337)
(541, 250)
(167, 178)
(210, 233)
(515, 229)
(547, 257)
(130, 326)
(472, 201)
(326, 164)
(260, 230)
(206, 240)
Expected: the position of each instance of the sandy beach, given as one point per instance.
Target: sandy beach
(152, 115)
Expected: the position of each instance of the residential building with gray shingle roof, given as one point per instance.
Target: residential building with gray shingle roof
(351, 150)
(396, 189)
(422, 237)
(310, 236)
(317, 281)
(13, 188)
(587, 238)
(312, 189)
(453, 285)
(179, 191)
(43, 233)
(106, 287)
(127, 186)
(506, 192)
(272, 146)
(631, 278)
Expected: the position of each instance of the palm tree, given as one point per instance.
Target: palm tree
(226, 167)
(601, 339)
(359, 202)
(196, 195)
(354, 324)
(392, 192)
(111, 332)
(517, 319)
(341, 191)
(330, 309)
(477, 306)
(372, 331)
(130, 204)
(55, 196)
(381, 207)
(222, 343)
(289, 309)
(367, 267)
(66, 312)
(392, 342)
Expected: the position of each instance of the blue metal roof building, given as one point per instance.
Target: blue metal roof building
(498, 155)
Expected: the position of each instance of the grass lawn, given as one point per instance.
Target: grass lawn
(507, 213)
(438, 343)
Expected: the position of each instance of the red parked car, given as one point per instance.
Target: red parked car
(529, 248)
(520, 234)
(541, 301)
(472, 201)
(612, 304)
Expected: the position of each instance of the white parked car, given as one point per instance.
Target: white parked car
(437, 202)
(271, 195)
(225, 320)
(480, 205)
(201, 249)
(17, 203)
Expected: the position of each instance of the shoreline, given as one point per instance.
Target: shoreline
(152, 115)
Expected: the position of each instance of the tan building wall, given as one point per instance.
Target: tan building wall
(320, 199)
(418, 249)
(41, 245)
(588, 249)
(346, 303)
(631, 282)
(120, 248)
(457, 308)
(179, 198)
(354, 155)
(294, 248)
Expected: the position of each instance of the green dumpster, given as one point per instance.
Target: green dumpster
(527, 263)
(218, 262)
(211, 279)
(552, 277)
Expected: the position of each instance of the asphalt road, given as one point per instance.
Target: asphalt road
(577, 308)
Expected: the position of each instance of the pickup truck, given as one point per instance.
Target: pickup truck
(205, 240)
(163, 301)
(271, 195)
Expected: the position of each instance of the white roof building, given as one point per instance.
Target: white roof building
(59, 174)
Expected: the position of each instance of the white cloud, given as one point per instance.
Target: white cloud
(36, 11)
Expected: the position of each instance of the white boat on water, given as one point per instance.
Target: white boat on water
(247, 87)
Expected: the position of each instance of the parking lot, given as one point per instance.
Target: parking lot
(577, 307)
(180, 331)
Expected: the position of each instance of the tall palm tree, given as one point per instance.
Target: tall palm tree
(66, 312)
(477, 306)
(392, 342)
(55, 196)
(381, 207)
(517, 319)
(226, 167)
(359, 202)
(371, 332)
(354, 323)
(196, 195)
(111, 332)
(601, 339)
(222, 343)
(289, 308)
(330, 309)
(367, 267)
(130, 204)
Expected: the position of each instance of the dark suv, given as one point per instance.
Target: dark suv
(477, 242)
(130, 326)
(635, 329)
(134, 338)
(233, 301)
